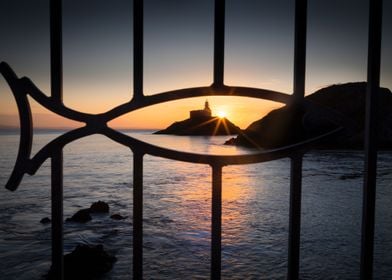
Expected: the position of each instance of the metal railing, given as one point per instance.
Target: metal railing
(97, 124)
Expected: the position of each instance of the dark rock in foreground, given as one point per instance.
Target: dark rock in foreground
(86, 262)
(82, 216)
(117, 217)
(289, 124)
(45, 220)
(99, 207)
(202, 126)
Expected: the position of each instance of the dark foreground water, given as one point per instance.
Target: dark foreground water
(177, 203)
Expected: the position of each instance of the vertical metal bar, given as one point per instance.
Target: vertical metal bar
(219, 43)
(56, 75)
(138, 13)
(371, 122)
(56, 50)
(57, 214)
(295, 217)
(138, 49)
(296, 160)
(216, 222)
(137, 215)
(300, 49)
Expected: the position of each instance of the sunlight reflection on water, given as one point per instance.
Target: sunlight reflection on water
(195, 144)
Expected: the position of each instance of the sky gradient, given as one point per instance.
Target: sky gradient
(178, 40)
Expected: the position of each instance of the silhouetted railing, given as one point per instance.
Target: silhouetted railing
(22, 87)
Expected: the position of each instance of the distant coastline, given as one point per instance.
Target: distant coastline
(16, 130)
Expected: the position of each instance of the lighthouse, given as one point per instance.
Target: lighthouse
(205, 113)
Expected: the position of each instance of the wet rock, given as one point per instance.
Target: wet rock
(117, 217)
(82, 216)
(45, 220)
(86, 262)
(99, 207)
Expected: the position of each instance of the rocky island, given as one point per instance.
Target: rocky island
(291, 124)
(201, 122)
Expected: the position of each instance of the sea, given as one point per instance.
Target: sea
(177, 211)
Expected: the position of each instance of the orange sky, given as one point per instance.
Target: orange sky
(242, 111)
(84, 97)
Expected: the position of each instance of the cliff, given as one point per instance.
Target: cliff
(288, 125)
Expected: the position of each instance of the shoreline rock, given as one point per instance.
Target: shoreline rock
(82, 216)
(99, 207)
(45, 220)
(86, 262)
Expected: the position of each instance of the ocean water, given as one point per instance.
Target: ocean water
(177, 204)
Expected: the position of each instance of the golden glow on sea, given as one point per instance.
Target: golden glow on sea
(235, 189)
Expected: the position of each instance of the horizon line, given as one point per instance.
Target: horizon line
(3, 128)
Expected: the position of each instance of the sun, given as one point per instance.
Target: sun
(222, 114)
